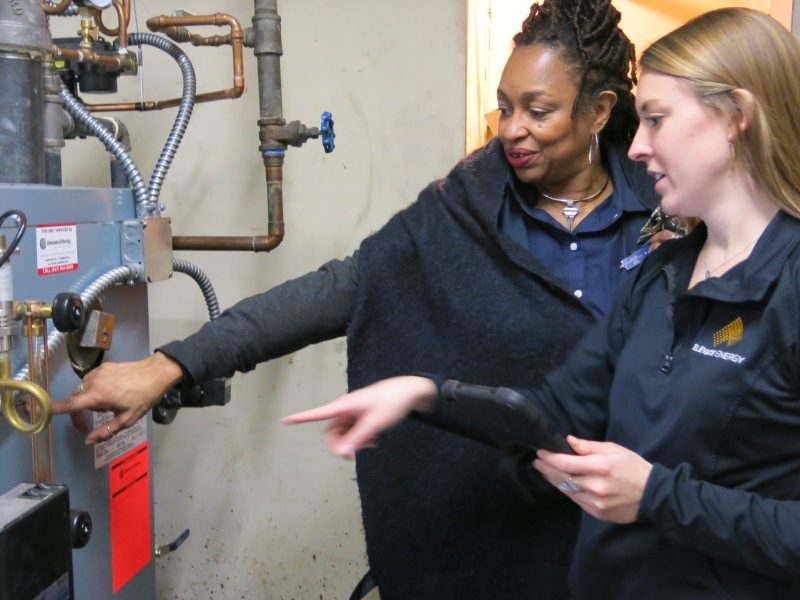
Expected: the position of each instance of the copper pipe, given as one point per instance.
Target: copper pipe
(87, 55)
(262, 243)
(217, 19)
(58, 8)
(182, 35)
(123, 26)
(123, 16)
(236, 39)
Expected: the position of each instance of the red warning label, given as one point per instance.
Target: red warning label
(131, 537)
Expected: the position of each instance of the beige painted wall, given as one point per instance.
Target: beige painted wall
(271, 514)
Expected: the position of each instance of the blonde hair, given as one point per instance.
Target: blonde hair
(722, 52)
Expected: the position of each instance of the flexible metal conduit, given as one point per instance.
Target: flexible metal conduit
(193, 271)
(146, 199)
(184, 111)
(101, 132)
(121, 275)
(88, 295)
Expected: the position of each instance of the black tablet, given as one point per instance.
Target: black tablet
(500, 416)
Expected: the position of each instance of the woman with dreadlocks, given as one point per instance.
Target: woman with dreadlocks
(492, 275)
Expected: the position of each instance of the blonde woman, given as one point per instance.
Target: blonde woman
(683, 405)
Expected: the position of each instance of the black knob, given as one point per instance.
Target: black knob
(81, 526)
(68, 311)
(166, 410)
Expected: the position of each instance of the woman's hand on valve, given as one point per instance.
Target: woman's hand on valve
(357, 418)
(604, 479)
(127, 389)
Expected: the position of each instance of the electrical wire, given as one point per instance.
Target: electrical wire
(22, 224)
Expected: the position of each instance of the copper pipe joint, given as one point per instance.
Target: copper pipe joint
(58, 8)
(163, 23)
(88, 55)
(123, 8)
(262, 243)
(235, 39)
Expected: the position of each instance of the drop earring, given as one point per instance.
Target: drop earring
(594, 147)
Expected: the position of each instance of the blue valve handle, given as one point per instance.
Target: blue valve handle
(327, 133)
(165, 549)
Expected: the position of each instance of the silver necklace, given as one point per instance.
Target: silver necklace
(570, 211)
(708, 272)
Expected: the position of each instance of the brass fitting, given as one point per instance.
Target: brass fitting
(42, 412)
(89, 32)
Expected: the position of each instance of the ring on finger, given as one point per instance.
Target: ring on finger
(110, 433)
(570, 486)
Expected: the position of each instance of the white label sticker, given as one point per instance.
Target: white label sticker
(56, 248)
(122, 442)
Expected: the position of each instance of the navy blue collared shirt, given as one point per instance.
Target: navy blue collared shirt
(586, 260)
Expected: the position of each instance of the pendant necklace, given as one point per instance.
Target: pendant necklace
(570, 211)
(708, 272)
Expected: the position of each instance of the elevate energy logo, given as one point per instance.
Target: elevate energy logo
(729, 335)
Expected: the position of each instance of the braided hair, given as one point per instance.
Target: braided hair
(588, 35)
